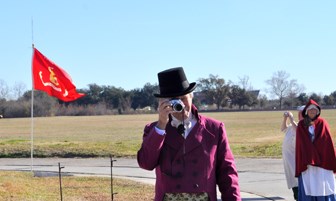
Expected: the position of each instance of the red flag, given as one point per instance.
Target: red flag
(50, 78)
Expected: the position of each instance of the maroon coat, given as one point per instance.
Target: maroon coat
(191, 165)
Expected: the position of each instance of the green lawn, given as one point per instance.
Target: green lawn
(19, 186)
(251, 134)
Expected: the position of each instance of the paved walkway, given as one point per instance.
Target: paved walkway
(259, 179)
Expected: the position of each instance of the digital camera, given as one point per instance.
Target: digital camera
(177, 105)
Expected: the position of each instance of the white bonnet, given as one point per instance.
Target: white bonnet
(312, 106)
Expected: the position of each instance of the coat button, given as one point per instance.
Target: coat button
(194, 161)
(178, 186)
(196, 186)
(178, 175)
(195, 174)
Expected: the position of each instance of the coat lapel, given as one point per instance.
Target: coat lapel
(194, 139)
(173, 139)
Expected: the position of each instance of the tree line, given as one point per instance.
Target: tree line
(213, 93)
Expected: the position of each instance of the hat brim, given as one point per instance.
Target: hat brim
(191, 88)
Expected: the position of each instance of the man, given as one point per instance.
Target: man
(189, 152)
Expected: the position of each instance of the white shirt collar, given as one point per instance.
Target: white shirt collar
(189, 123)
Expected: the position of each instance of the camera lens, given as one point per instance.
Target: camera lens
(177, 105)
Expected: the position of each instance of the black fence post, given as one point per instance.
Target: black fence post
(60, 179)
(112, 193)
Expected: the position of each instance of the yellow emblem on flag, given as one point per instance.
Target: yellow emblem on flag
(53, 78)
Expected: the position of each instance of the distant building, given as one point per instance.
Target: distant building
(201, 97)
(254, 93)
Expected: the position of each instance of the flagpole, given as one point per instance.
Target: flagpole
(32, 126)
(32, 107)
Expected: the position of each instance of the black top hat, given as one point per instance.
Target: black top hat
(173, 82)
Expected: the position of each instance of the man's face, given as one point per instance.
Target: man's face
(187, 101)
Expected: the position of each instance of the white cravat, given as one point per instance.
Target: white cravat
(189, 123)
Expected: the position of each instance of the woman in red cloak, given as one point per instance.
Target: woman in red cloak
(315, 157)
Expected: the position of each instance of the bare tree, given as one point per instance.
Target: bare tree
(282, 87)
(244, 82)
(4, 90)
(18, 89)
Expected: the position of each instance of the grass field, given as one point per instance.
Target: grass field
(19, 186)
(251, 134)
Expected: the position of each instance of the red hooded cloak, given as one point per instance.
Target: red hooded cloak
(321, 151)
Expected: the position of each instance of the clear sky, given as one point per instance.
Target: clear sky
(125, 43)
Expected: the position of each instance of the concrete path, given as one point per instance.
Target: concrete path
(259, 179)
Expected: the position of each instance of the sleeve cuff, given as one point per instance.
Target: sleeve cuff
(160, 131)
